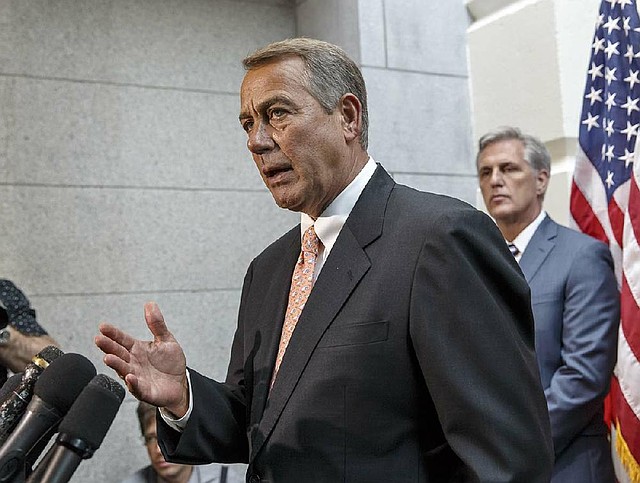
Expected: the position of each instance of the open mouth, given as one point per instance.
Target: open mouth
(276, 172)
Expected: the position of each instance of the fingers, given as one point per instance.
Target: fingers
(155, 322)
(116, 335)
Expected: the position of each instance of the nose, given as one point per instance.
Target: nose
(496, 178)
(260, 140)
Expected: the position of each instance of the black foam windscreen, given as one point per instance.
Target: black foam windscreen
(91, 415)
(10, 385)
(64, 379)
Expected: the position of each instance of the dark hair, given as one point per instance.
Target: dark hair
(330, 73)
(146, 413)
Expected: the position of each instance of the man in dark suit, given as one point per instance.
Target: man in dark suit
(411, 359)
(574, 297)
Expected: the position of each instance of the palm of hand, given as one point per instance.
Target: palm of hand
(159, 367)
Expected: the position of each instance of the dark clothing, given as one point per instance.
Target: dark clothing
(575, 300)
(412, 361)
(16, 311)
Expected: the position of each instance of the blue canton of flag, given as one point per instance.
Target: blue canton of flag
(610, 111)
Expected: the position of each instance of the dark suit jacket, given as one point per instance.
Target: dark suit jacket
(412, 361)
(576, 309)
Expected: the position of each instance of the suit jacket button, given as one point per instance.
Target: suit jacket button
(254, 478)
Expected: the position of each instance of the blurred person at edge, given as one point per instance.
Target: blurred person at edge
(160, 471)
(21, 336)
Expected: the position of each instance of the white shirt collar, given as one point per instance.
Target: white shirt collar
(333, 218)
(524, 237)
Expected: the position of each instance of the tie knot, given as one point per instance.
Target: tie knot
(310, 241)
(513, 249)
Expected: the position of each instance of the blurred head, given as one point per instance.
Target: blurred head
(513, 173)
(303, 107)
(167, 472)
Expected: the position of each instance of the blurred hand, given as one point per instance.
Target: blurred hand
(154, 371)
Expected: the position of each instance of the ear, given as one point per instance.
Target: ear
(542, 181)
(350, 110)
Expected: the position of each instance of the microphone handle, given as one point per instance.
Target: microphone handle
(61, 461)
(58, 466)
(12, 409)
(38, 421)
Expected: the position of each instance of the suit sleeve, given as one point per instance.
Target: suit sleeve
(472, 331)
(590, 316)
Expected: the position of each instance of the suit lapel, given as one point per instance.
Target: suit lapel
(343, 269)
(539, 247)
(272, 312)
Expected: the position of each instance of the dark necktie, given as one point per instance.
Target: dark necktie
(513, 249)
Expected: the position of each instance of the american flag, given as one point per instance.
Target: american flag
(605, 201)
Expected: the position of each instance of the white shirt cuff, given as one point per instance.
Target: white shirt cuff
(179, 424)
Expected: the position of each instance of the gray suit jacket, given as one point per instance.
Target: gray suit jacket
(576, 310)
(412, 361)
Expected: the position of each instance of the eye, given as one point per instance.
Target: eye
(276, 114)
(247, 125)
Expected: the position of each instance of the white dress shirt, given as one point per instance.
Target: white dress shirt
(524, 237)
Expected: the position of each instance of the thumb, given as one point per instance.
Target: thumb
(155, 321)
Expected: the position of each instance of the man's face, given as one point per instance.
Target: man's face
(299, 149)
(166, 471)
(511, 188)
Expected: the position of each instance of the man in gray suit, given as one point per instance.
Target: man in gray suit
(413, 356)
(574, 297)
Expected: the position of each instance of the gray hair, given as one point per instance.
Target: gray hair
(330, 73)
(535, 152)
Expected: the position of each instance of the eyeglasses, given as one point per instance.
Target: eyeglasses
(150, 439)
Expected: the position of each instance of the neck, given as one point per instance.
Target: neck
(510, 229)
(181, 477)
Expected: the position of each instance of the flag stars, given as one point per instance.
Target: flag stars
(598, 45)
(609, 127)
(613, 3)
(630, 131)
(624, 3)
(596, 71)
(610, 75)
(611, 100)
(609, 153)
(591, 121)
(631, 105)
(633, 78)
(630, 55)
(611, 49)
(612, 24)
(627, 158)
(625, 24)
(594, 95)
(609, 179)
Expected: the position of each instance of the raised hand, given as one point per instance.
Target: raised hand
(154, 371)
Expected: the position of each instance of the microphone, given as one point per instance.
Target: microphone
(54, 393)
(9, 385)
(81, 431)
(12, 409)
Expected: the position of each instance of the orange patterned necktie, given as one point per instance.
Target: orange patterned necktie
(301, 285)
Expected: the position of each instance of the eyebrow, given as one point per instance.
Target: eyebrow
(278, 98)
